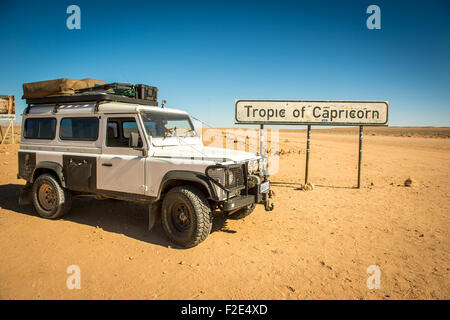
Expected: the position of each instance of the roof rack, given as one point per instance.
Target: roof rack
(87, 98)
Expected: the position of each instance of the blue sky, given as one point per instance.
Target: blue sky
(203, 55)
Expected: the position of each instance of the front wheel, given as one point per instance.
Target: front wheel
(50, 200)
(186, 216)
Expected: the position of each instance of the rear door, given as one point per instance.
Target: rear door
(121, 168)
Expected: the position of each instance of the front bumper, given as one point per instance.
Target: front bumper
(239, 202)
(247, 193)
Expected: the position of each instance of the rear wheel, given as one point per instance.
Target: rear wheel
(50, 200)
(186, 216)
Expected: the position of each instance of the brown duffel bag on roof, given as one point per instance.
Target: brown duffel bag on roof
(57, 87)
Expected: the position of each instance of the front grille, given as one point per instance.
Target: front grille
(238, 176)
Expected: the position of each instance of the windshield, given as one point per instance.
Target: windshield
(162, 125)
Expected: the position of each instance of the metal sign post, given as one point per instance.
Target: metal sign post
(303, 112)
(261, 139)
(360, 155)
(308, 138)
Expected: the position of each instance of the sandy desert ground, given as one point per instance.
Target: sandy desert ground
(315, 244)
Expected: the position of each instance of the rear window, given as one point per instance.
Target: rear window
(79, 129)
(40, 128)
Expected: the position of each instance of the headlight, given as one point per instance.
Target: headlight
(263, 164)
(230, 178)
(217, 174)
(260, 165)
(253, 166)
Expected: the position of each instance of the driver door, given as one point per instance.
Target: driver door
(121, 167)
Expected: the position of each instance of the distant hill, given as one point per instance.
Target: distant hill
(429, 132)
(432, 132)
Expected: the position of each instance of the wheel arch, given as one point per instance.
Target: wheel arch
(49, 167)
(176, 178)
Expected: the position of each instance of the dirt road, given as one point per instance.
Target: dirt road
(314, 245)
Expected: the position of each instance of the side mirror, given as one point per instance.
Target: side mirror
(133, 140)
(144, 151)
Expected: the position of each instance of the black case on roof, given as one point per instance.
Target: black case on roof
(138, 91)
(146, 92)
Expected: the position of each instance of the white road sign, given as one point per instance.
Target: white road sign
(334, 113)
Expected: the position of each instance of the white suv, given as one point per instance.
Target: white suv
(135, 152)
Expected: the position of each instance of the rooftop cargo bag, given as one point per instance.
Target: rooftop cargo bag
(57, 87)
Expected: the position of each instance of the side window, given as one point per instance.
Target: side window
(79, 129)
(40, 128)
(128, 127)
(112, 134)
(119, 131)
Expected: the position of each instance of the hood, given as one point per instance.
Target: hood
(202, 153)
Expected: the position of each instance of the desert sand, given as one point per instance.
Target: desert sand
(315, 245)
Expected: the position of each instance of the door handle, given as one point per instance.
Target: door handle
(106, 164)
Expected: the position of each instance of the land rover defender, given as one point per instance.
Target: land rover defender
(133, 150)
